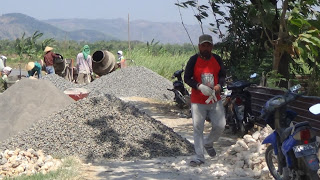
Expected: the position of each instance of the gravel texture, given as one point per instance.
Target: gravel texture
(26, 102)
(126, 82)
(103, 126)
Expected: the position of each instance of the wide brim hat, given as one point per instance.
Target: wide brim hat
(48, 48)
(29, 66)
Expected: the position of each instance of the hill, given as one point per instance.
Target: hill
(13, 25)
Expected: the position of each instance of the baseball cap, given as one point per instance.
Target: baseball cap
(205, 38)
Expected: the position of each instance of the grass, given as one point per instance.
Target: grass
(69, 170)
(165, 64)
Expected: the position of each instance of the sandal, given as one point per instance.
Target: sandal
(195, 163)
(211, 151)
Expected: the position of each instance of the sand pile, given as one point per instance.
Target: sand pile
(26, 102)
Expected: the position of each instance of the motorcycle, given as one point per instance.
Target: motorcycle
(237, 104)
(315, 109)
(293, 150)
(181, 94)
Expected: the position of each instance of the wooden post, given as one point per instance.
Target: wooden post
(71, 66)
(129, 48)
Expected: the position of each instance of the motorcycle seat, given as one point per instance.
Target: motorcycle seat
(284, 134)
(238, 85)
(300, 124)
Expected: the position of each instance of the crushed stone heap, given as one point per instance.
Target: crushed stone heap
(26, 102)
(101, 127)
(127, 82)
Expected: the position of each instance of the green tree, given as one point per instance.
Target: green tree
(256, 28)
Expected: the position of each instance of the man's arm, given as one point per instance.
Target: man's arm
(30, 73)
(55, 55)
(39, 72)
(90, 64)
(188, 73)
(222, 72)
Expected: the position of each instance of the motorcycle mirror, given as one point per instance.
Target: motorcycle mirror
(295, 88)
(315, 109)
(253, 75)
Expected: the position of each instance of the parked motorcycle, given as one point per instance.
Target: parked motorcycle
(181, 94)
(237, 104)
(315, 109)
(293, 150)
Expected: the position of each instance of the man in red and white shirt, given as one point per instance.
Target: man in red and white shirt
(205, 73)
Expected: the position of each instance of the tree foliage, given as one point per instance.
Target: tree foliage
(264, 35)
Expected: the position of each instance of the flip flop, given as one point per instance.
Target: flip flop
(211, 151)
(195, 163)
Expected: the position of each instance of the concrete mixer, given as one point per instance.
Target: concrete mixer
(103, 62)
(59, 65)
(64, 68)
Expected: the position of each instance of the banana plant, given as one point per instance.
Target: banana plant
(306, 34)
(28, 45)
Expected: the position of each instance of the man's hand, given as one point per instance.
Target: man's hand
(212, 97)
(217, 88)
(207, 91)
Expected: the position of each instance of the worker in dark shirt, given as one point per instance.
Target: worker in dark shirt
(49, 59)
(205, 73)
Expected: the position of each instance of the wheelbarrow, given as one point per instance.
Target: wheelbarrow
(77, 93)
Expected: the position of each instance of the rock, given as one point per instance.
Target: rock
(19, 164)
(256, 135)
(242, 144)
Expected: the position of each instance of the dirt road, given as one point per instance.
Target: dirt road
(164, 167)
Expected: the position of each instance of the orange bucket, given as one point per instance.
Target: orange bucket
(77, 93)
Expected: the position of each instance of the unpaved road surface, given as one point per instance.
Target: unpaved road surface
(164, 167)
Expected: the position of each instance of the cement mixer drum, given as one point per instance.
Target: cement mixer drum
(103, 62)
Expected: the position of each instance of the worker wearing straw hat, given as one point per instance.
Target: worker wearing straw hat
(48, 59)
(33, 68)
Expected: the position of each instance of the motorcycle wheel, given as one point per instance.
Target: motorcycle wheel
(272, 163)
(312, 175)
(239, 126)
(231, 120)
(243, 129)
(180, 99)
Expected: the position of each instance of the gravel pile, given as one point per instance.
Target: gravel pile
(133, 81)
(61, 83)
(26, 102)
(126, 82)
(103, 126)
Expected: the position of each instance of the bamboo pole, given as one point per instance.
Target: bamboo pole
(129, 48)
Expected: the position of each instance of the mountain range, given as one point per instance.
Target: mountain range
(13, 26)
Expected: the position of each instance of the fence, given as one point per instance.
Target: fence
(260, 95)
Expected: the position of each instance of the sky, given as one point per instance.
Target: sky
(150, 10)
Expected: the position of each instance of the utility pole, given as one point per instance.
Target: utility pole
(129, 48)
